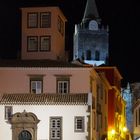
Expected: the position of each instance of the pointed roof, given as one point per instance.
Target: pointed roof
(90, 10)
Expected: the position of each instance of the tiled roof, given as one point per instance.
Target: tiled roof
(36, 63)
(44, 99)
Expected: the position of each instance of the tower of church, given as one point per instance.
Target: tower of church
(91, 37)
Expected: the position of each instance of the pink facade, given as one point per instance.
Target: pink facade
(17, 80)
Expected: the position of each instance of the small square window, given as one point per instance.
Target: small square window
(79, 124)
(32, 43)
(45, 21)
(8, 112)
(32, 20)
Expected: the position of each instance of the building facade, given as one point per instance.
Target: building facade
(116, 127)
(43, 97)
(38, 117)
(43, 33)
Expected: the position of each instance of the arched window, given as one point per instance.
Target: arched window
(25, 135)
(88, 54)
(97, 55)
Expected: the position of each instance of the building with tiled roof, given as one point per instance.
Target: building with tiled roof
(44, 116)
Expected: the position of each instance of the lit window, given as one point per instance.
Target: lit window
(55, 128)
(45, 43)
(32, 20)
(79, 124)
(32, 43)
(8, 112)
(45, 21)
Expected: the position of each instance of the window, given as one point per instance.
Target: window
(32, 20)
(60, 26)
(45, 21)
(32, 43)
(36, 84)
(97, 55)
(45, 43)
(8, 112)
(88, 54)
(25, 135)
(63, 86)
(79, 124)
(55, 128)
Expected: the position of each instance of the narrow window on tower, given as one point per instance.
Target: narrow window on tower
(60, 26)
(88, 54)
(32, 20)
(45, 43)
(97, 55)
(45, 20)
(32, 43)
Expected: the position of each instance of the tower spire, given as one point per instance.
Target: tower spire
(91, 11)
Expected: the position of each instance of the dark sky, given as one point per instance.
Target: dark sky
(122, 16)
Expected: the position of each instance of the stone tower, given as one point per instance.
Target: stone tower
(91, 37)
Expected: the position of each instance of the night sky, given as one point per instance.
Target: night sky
(122, 16)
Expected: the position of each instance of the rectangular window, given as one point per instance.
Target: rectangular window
(63, 86)
(79, 124)
(36, 84)
(45, 43)
(32, 20)
(8, 112)
(45, 20)
(55, 128)
(32, 43)
(60, 26)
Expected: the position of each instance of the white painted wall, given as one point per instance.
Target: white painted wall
(44, 112)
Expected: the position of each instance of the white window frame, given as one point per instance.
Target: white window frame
(55, 128)
(63, 86)
(36, 86)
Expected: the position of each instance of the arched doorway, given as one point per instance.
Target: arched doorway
(24, 126)
(25, 135)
